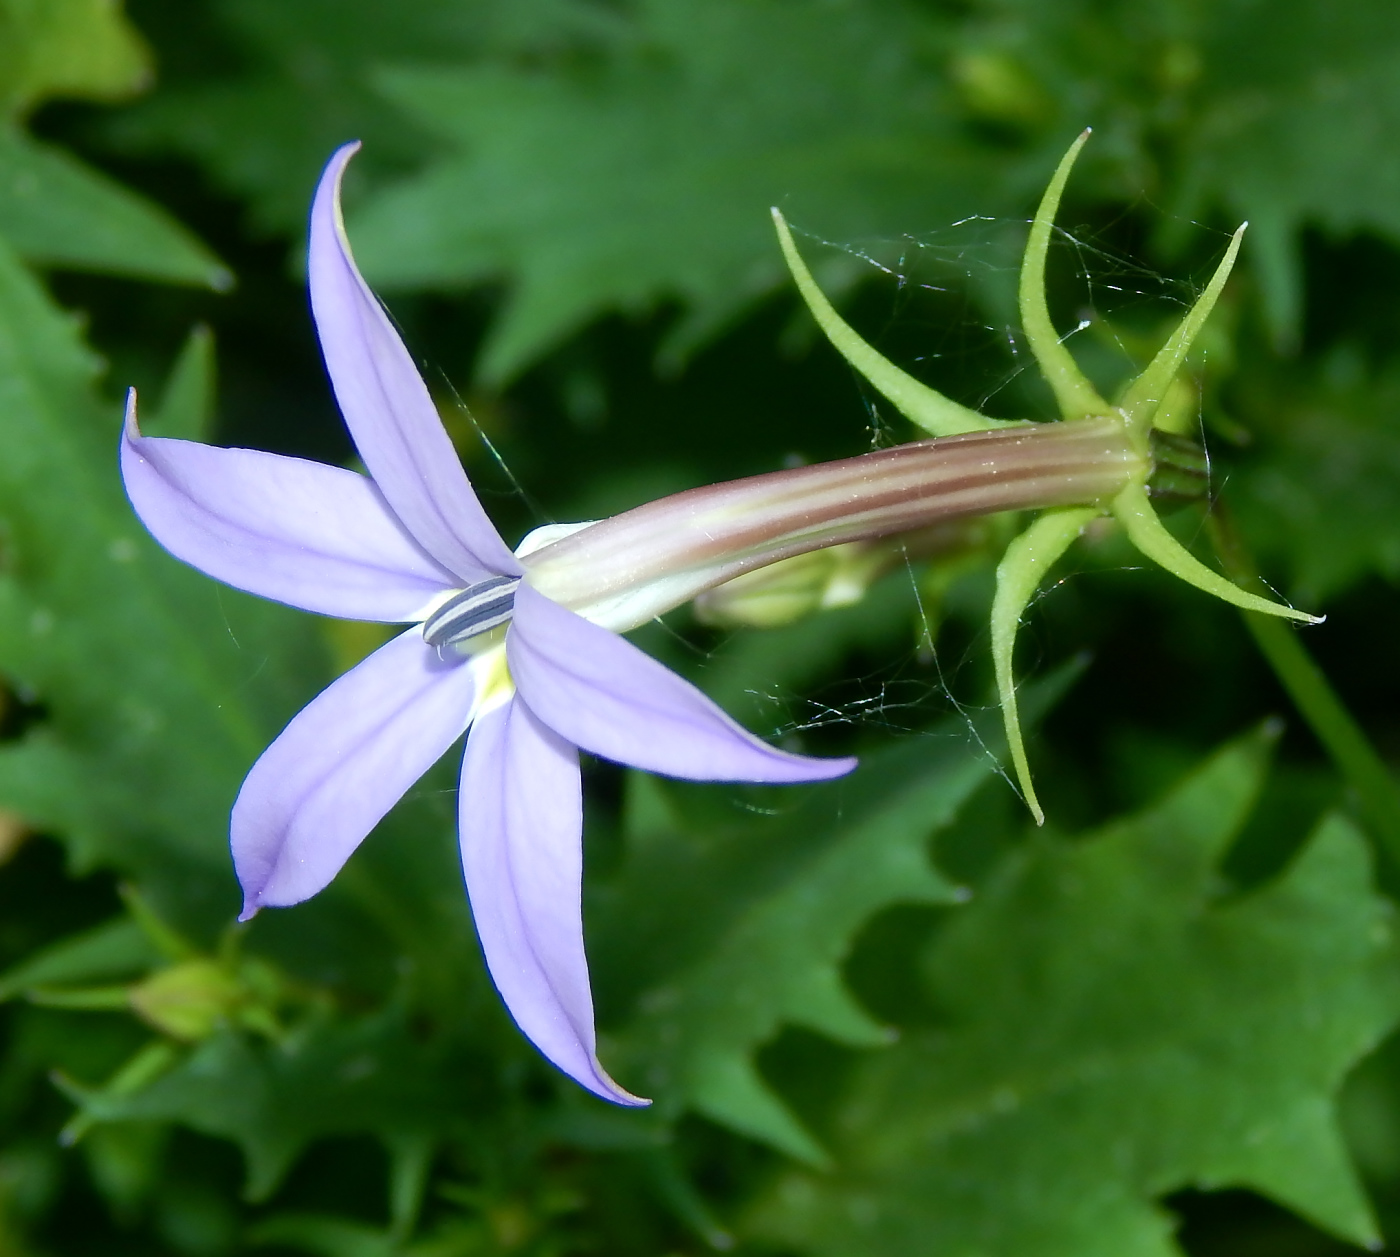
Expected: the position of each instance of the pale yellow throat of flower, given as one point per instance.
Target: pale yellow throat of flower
(494, 686)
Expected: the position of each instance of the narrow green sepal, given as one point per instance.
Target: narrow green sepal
(1145, 394)
(1133, 510)
(926, 407)
(1075, 395)
(1019, 574)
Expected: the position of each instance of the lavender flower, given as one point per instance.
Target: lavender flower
(411, 543)
(520, 650)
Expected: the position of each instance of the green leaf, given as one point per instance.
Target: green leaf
(745, 926)
(1114, 1029)
(303, 87)
(186, 409)
(1289, 133)
(648, 175)
(327, 1235)
(1281, 114)
(374, 1075)
(67, 48)
(157, 687)
(116, 949)
(1315, 492)
(58, 212)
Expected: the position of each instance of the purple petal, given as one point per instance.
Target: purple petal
(603, 694)
(386, 404)
(317, 537)
(342, 763)
(522, 826)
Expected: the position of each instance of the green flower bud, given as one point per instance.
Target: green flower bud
(189, 1000)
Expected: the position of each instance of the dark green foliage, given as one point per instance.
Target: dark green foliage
(1318, 495)
(58, 212)
(606, 159)
(158, 689)
(709, 114)
(771, 944)
(304, 83)
(877, 1017)
(1089, 1055)
(273, 1099)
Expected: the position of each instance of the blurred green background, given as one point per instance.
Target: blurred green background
(881, 1017)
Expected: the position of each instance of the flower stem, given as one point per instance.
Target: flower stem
(1377, 792)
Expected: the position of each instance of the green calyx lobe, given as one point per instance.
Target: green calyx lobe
(1177, 472)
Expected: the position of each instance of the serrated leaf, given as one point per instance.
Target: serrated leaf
(67, 48)
(1114, 1029)
(304, 87)
(649, 175)
(158, 688)
(58, 212)
(778, 907)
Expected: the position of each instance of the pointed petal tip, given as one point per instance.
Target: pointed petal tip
(520, 825)
(251, 908)
(341, 764)
(339, 159)
(393, 421)
(606, 1089)
(130, 427)
(329, 186)
(328, 190)
(597, 691)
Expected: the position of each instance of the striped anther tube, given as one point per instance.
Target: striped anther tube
(475, 610)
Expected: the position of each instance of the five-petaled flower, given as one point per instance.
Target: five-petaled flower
(522, 648)
(529, 680)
